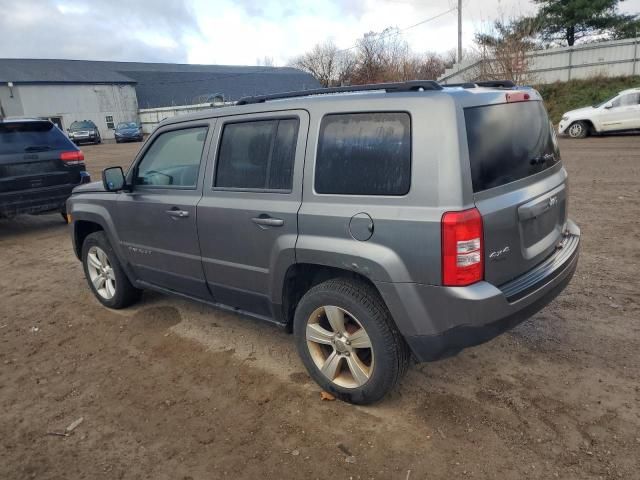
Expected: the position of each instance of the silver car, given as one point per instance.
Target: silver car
(377, 223)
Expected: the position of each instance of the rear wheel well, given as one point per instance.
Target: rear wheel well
(303, 276)
(82, 229)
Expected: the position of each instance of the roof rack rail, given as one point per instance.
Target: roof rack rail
(463, 85)
(411, 86)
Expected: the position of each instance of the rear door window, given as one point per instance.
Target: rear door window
(509, 142)
(257, 155)
(364, 154)
(32, 137)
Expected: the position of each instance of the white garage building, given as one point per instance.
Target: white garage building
(111, 92)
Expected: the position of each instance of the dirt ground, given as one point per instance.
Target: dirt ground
(176, 390)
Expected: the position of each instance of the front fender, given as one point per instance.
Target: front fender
(93, 209)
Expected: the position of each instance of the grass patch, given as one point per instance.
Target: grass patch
(561, 97)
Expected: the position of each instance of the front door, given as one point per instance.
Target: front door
(157, 219)
(247, 218)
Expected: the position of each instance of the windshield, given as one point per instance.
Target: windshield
(127, 125)
(508, 142)
(32, 137)
(82, 125)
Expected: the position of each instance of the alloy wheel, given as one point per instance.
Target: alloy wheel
(101, 273)
(340, 346)
(575, 130)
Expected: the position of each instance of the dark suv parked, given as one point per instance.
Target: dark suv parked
(84, 131)
(39, 167)
(376, 222)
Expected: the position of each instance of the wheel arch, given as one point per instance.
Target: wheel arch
(301, 277)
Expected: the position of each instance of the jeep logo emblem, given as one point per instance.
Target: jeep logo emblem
(553, 201)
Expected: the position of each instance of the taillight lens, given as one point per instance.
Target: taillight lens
(73, 157)
(517, 97)
(462, 248)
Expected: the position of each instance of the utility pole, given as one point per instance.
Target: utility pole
(459, 31)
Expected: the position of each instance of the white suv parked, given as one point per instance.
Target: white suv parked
(622, 112)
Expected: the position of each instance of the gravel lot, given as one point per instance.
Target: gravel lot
(176, 390)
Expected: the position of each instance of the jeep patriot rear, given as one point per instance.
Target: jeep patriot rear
(377, 223)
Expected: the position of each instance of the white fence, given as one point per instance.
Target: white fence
(616, 58)
(151, 117)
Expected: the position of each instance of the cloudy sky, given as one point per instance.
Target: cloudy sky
(239, 32)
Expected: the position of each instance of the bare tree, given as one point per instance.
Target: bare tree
(503, 52)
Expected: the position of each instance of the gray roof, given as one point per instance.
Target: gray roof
(162, 84)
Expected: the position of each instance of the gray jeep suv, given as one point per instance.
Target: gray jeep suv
(377, 223)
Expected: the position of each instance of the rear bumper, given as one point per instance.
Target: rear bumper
(438, 322)
(36, 200)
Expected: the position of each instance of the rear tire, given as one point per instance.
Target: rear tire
(105, 275)
(362, 359)
(578, 130)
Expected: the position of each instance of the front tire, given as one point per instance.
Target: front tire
(578, 130)
(105, 275)
(347, 341)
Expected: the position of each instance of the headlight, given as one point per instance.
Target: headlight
(565, 118)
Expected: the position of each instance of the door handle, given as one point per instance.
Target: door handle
(177, 213)
(264, 221)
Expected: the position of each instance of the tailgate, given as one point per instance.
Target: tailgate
(30, 156)
(519, 186)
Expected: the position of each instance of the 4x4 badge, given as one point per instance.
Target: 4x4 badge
(500, 254)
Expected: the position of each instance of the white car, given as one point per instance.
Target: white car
(622, 112)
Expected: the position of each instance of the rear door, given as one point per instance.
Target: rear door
(519, 185)
(247, 219)
(157, 220)
(30, 157)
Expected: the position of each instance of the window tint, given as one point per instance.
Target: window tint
(28, 137)
(364, 154)
(257, 155)
(173, 159)
(626, 100)
(508, 142)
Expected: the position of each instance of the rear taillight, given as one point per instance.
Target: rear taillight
(73, 157)
(462, 247)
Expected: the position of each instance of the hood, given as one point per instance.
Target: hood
(128, 131)
(579, 111)
(89, 187)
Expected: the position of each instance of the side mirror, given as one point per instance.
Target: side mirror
(113, 179)
(608, 105)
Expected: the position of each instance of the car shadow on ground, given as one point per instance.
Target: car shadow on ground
(29, 224)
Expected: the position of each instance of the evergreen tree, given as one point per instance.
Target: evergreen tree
(561, 21)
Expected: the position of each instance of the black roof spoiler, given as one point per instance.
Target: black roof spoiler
(485, 83)
(411, 86)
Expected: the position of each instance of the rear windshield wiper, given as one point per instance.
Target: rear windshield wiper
(37, 148)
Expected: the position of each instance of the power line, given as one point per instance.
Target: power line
(392, 33)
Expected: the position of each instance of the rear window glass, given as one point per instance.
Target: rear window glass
(364, 154)
(29, 137)
(508, 142)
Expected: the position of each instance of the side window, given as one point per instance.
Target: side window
(173, 159)
(626, 100)
(364, 154)
(257, 155)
